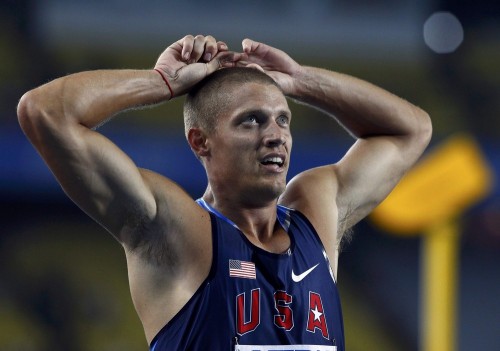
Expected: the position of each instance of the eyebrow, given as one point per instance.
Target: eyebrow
(261, 111)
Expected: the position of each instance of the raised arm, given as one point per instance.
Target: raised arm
(59, 117)
(390, 136)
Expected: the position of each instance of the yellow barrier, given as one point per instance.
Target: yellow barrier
(429, 200)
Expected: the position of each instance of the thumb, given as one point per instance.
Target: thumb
(222, 60)
(191, 74)
(249, 45)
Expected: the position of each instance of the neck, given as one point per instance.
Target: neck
(258, 221)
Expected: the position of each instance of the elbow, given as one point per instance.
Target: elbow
(424, 128)
(28, 112)
(36, 112)
(419, 135)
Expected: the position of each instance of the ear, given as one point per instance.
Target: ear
(198, 142)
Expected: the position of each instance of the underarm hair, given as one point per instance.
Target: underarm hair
(149, 244)
(344, 233)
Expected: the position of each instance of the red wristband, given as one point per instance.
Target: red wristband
(166, 82)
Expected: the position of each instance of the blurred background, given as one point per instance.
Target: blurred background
(63, 280)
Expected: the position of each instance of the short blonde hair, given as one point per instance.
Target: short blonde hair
(207, 99)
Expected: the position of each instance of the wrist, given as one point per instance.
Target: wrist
(166, 83)
(298, 83)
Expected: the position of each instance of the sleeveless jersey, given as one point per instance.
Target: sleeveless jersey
(254, 300)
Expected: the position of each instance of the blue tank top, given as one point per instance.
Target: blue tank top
(254, 300)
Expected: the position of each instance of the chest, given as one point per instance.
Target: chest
(279, 243)
(292, 293)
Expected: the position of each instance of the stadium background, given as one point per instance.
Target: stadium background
(63, 283)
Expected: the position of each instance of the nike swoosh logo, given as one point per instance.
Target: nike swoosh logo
(298, 278)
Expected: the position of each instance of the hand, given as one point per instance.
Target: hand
(190, 59)
(275, 63)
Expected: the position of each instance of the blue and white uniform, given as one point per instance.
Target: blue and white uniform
(254, 300)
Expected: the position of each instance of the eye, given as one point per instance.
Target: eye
(250, 119)
(283, 120)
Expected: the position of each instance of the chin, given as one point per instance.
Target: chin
(263, 191)
(271, 192)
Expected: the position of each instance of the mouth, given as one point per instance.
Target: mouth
(273, 162)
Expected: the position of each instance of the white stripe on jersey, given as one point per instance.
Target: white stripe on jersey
(284, 348)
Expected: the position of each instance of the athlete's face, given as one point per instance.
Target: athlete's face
(250, 149)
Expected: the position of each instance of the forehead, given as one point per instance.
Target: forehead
(254, 96)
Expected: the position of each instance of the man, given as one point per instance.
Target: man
(253, 262)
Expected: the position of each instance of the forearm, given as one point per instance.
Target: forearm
(90, 98)
(362, 108)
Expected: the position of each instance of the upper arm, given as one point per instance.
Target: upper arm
(368, 172)
(350, 189)
(100, 178)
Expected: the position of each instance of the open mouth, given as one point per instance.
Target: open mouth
(273, 160)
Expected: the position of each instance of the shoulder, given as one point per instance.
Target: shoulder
(179, 225)
(312, 190)
(171, 199)
(314, 194)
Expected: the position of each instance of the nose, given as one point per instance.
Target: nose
(274, 140)
(274, 136)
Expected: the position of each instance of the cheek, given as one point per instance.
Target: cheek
(234, 146)
(239, 144)
(234, 151)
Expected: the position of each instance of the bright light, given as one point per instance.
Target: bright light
(443, 32)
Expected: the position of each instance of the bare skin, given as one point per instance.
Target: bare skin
(165, 234)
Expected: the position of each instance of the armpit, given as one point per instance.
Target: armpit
(344, 230)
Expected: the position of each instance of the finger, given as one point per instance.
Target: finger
(247, 64)
(249, 45)
(210, 48)
(223, 59)
(256, 66)
(198, 48)
(187, 44)
(222, 46)
(243, 61)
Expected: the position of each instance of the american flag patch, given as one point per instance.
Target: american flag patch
(242, 269)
